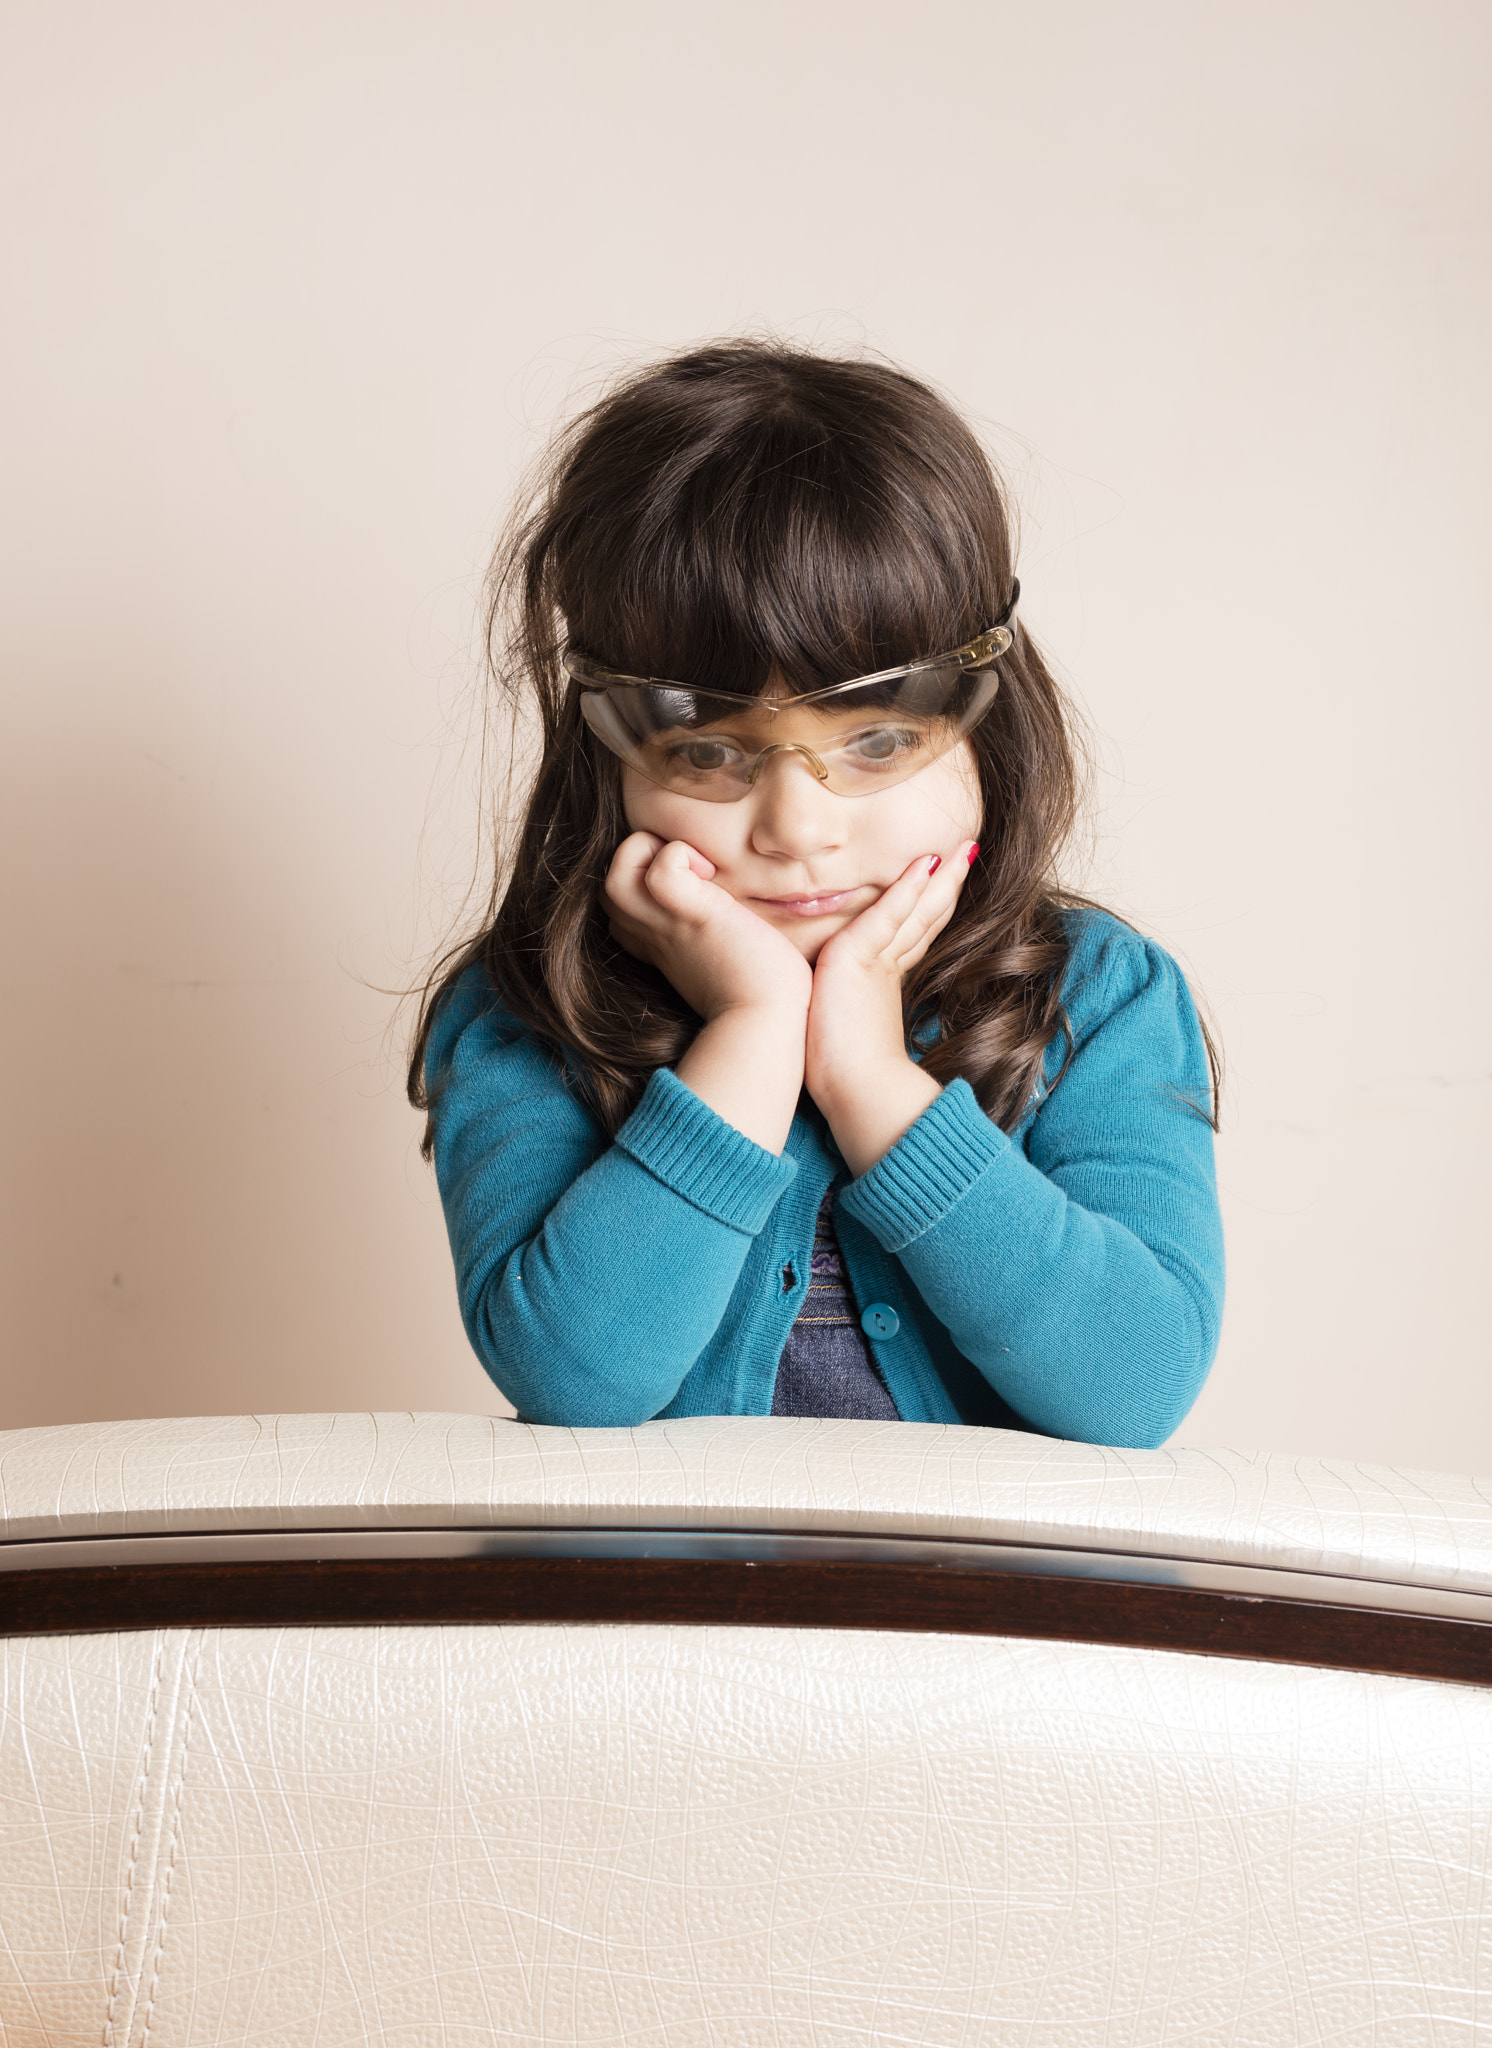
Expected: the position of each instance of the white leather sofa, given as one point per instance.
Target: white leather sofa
(440, 1729)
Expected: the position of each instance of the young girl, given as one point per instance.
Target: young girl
(785, 1078)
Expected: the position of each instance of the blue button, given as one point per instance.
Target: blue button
(880, 1320)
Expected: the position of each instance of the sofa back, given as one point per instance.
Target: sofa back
(429, 1729)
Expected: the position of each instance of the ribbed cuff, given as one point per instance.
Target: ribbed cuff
(927, 1170)
(682, 1142)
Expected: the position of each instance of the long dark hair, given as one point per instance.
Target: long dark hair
(743, 511)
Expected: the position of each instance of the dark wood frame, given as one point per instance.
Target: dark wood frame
(740, 1592)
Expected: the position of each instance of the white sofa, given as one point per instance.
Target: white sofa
(441, 1729)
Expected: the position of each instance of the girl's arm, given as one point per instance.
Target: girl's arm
(747, 983)
(856, 1063)
(590, 1275)
(1085, 1280)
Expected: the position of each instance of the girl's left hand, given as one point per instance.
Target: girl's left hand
(858, 1069)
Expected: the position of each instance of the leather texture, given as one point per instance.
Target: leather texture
(693, 1837)
(745, 1472)
(690, 1838)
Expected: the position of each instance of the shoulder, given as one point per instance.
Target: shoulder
(1113, 968)
(476, 1042)
(470, 1002)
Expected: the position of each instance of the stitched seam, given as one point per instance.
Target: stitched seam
(160, 1939)
(129, 1882)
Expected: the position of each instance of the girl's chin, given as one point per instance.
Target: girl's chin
(808, 934)
(810, 941)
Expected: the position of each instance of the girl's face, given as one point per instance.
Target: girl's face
(803, 858)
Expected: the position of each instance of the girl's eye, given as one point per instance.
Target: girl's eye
(705, 757)
(883, 744)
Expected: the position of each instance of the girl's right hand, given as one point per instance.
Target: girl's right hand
(665, 908)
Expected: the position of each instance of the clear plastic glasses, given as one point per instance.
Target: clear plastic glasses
(856, 737)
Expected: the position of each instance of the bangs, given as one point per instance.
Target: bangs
(810, 537)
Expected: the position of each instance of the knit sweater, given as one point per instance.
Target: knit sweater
(1065, 1279)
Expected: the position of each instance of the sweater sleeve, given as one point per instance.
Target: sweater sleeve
(1083, 1275)
(590, 1276)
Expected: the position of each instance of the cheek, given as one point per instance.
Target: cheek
(941, 807)
(709, 828)
(963, 802)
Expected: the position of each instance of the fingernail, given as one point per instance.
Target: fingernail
(973, 853)
(937, 862)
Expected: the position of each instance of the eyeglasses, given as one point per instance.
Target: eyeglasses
(877, 729)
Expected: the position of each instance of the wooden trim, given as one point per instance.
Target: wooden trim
(735, 1593)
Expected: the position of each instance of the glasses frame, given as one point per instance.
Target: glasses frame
(978, 653)
(597, 682)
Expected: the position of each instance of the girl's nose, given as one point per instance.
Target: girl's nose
(792, 813)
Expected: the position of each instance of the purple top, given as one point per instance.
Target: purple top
(826, 1366)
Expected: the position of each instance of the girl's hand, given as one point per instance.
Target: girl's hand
(857, 1067)
(718, 954)
(743, 977)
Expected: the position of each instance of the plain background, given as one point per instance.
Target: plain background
(295, 291)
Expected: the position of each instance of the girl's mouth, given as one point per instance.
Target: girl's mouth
(828, 904)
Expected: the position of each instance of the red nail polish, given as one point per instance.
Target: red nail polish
(937, 862)
(973, 853)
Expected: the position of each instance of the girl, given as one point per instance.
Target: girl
(784, 1077)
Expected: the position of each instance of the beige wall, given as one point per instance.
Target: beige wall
(301, 285)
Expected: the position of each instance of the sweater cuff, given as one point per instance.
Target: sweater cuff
(928, 1169)
(682, 1142)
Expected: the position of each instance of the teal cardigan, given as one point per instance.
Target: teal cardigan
(1066, 1279)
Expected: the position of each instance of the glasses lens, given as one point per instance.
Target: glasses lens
(679, 738)
(895, 728)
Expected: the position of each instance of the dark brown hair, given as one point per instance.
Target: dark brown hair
(744, 511)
